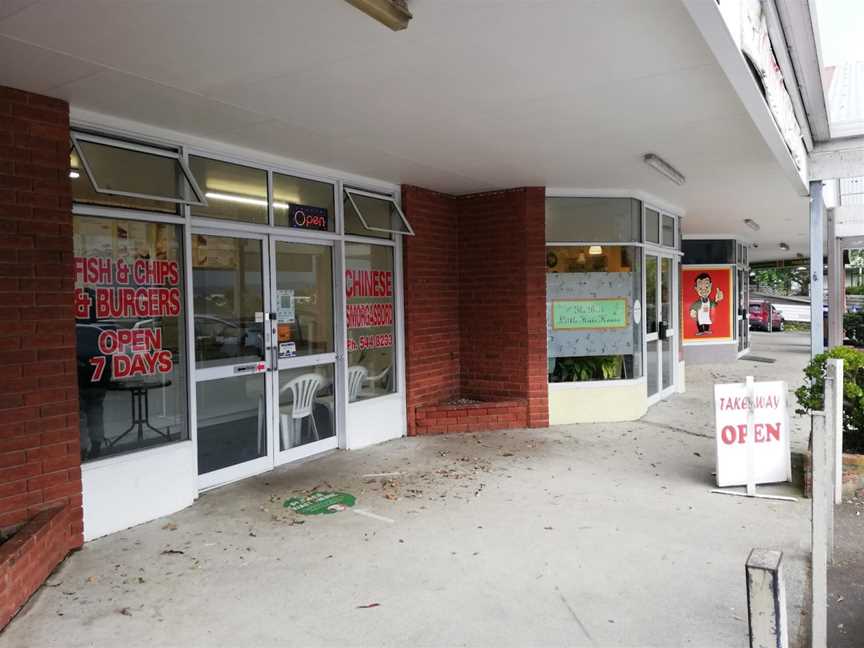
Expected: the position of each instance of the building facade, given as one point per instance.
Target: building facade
(184, 307)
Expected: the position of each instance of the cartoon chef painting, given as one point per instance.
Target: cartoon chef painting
(702, 309)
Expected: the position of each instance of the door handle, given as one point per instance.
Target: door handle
(661, 331)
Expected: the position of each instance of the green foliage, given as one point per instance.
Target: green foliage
(855, 290)
(811, 394)
(796, 326)
(587, 368)
(853, 325)
(788, 280)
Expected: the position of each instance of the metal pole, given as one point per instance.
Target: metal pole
(819, 538)
(835, 283)
(834, 371)
(817, 217)
(830, 408)
(750, 441)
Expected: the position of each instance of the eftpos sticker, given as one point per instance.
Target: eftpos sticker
(287, 349)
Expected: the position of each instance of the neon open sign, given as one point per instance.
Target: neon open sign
(308, 217)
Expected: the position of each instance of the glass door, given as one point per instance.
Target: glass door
(743, 310)
(303, 347)
(667, 331)
(232, 384)
(660, 330)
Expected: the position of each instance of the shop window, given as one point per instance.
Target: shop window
(304, 299)
(593, 312)
(303, 204)
(372, 215)
(116, 173)
(130, 336)
(231, 427)
(604, 220)
(233, 191)
(370, 306)
(228, 292)
(668, 234)
(698, 251)
(652, 226)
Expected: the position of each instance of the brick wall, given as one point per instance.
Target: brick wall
(535, 311)
(40, 466)
(475, 309)
(431, 299)
(471, 417)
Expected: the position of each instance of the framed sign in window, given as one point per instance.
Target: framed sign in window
(589, 314)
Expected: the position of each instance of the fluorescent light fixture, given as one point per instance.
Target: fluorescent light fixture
(784, 246)
(244, 200)
(664, 168)
(74, 174)
(390, 13)
(595, 250)
(749, 222)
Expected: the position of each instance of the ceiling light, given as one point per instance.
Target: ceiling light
(662, 166)
(784, 246)
(390, 13)
(595, 250)
(244, 200)
(74, 174)
(749, 222)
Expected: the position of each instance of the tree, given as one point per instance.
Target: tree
(790, 280)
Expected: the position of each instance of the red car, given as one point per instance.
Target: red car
(759, 317)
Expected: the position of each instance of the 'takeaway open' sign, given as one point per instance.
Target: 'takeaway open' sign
(769, 432)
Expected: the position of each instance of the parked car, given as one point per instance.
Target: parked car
(759, 317)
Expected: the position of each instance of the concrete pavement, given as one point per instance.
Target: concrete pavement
(583, 535)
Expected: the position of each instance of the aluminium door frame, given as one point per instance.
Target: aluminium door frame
(333, 358)
(672, 331)
(258, 465)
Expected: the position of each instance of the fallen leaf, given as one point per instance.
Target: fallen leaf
(125, 611)
(167, 552)
(370, 605)
(169, 526)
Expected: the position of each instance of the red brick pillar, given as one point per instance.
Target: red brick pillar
(431, 271)
(535, 306)
(40, 464)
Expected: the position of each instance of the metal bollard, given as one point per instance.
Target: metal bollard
(766, 599)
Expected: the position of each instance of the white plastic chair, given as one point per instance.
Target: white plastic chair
(303, 389)
(356, 375)
(372, 381)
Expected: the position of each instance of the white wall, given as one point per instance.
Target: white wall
(375, 420)
(597, 402)
(120, 492)
(794, 312)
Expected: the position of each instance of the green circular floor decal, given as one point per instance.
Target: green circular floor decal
(317, 503)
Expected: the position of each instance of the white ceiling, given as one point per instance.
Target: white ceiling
(474, 95)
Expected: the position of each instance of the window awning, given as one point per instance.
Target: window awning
(121, 168)
(377, 213)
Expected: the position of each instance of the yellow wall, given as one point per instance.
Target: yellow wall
(580, 403)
